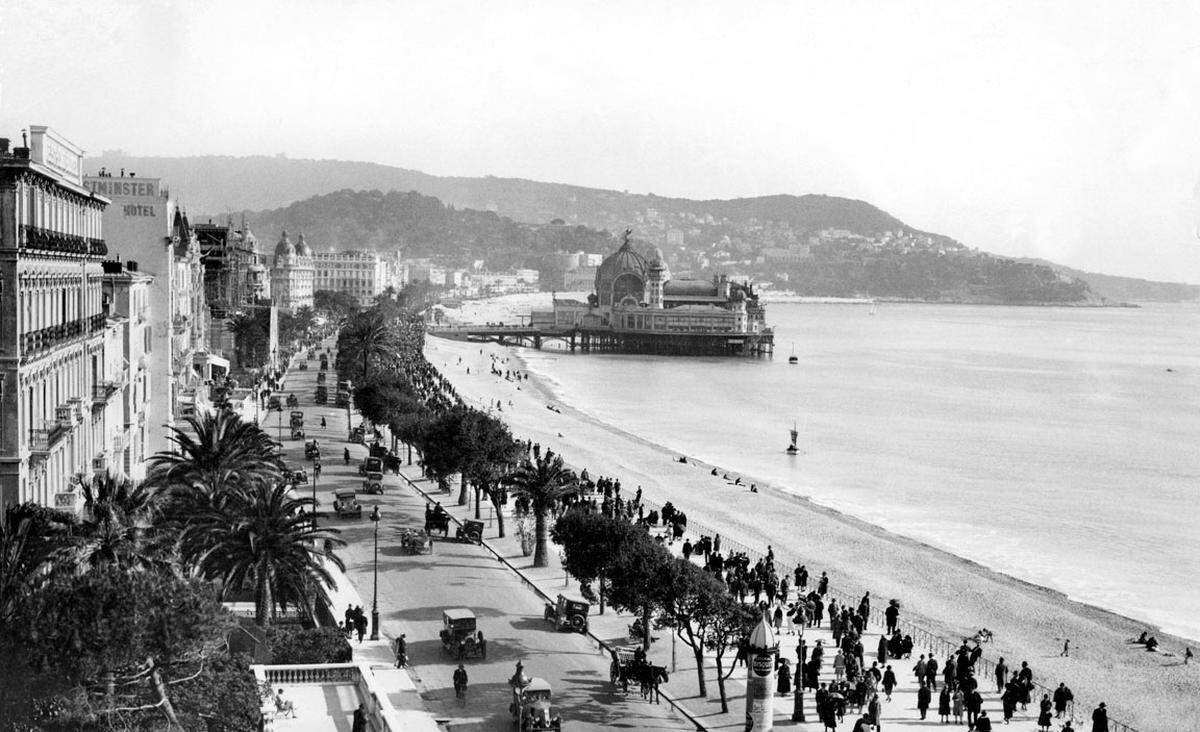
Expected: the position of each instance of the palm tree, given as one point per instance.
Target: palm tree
(368, 336)
(216, 451)
(540, 483)
(117, 527)
(29, 536)
(260, 538)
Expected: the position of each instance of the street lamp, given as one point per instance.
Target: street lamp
(316, 472)
(375, 599)
(798, 698)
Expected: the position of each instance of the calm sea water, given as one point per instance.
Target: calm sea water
(1058, 445)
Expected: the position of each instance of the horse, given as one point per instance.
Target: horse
(649, 677)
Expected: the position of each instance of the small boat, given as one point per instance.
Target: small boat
(792, 358)
(792, 447)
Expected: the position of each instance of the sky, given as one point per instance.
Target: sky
(1065, 130)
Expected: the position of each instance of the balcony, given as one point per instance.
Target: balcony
(43, 240)
(103, 393)
(43, 439)
(34, 342)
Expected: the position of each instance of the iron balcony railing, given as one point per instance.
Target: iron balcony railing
(37, 238)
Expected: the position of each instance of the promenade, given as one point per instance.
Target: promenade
(414, 590)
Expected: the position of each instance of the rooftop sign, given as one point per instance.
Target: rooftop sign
(56, 152)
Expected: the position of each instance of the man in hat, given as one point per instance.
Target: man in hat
(1100, 719)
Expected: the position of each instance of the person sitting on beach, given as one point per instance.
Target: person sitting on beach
(738, 481)
(753, 488)
(714, 472)
(1141, 639)
(1151, 644)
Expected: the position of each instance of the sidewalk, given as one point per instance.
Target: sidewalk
(413, 591)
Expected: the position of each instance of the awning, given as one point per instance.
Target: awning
(208, 359)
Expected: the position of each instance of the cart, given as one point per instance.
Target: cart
(413, 541)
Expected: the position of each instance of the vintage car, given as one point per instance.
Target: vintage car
(297, 433)
(322, 395)
(324, 362)
(292, 403)
(274, 405)
(370, 465)
(568, 613)
(532, 709)
(460, 638)
(471, 531)
(342, 399)
(299, 476)
(312, 450)
(357, 434)
(303, 366)
(321, 379)
(373, 482)
(345, 504)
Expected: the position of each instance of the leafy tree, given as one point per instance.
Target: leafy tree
(257, 537)
(124, 638)
(593, 544)
(491, 454)
(541, 483)
(641, 577)
(730, 623)
(226, 690)
(29, 536)
(334, 304)
(216, 451)
(442, 447)
(308, 645)
(367, 338)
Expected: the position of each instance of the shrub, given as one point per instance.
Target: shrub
(310, 645)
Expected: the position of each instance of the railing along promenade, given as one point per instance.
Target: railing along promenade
(379, 710)
(922, 637)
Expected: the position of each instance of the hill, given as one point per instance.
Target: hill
(697, 236)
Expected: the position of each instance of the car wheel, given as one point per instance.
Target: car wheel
(577, 623)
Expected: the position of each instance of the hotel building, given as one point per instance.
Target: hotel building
(55, 379)
(361, 274)
(292, 280)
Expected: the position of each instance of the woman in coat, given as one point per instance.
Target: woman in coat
(944, 704)
(1044, 716)
(923, 699)
(889, 682)
(956, 700)
(784, 678)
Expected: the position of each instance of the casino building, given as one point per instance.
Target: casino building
(638, 308)
(292, 274)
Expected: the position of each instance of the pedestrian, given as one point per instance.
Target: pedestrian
(823, 585)
(784, 678)
(1100, 719)
(1062, 696)
(889, 682)
(919, 669)
(956, 705)
(974, 703)
(1001, 675)
(323, 422)
(346, 455)
(839, 665)
(923, 698)
(931, 672)
(360, 719)
(892, 614)
(316, 470)
(1187, 655)
(944, 705)
(1044, 716)
(401, 651)
(984, 723)
(882, 651)
(460, 682)
(1066, 651)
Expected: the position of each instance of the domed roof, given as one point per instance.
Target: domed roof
(302, 248)
(656, 259)
(623, 261)
(284, 248)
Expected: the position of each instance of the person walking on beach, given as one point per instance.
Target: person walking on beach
(1062, 697)
(1100, 719)
(1066, 651)
(1187, 655)
(460, 682)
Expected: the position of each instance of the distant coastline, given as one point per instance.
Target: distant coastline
(769, 297)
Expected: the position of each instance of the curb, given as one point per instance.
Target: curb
(676, 705)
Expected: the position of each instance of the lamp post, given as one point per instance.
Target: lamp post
(375, 598)
(316, 472)
(798, 699)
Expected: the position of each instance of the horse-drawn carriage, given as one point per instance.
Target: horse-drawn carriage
(413, 541)
(459, 635)
(346, 505)
(531, 707)
(437, 521)
(630, 666)
(568, 613)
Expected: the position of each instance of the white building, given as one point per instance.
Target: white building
(53, 328)
(361, 274)
(292, 280)
(127, 364)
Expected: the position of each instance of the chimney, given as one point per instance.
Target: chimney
(3, 145)
(111, 266)
(131, 265)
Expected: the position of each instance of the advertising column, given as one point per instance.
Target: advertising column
(760, 678)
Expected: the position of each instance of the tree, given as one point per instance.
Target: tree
(117, 527)
(308, 645)
(367, 338)
(442, 447)
(336, 305)
(593, 544)
(29, 536)
(250, 337)
(258, 538)
(125, 638)
(541, 483)
(491, 453)
(641, 577)
(216, 451)
(731, 623)
(695, 604)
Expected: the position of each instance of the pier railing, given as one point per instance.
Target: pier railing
(923, 638)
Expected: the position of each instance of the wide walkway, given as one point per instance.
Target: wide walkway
(414, 590)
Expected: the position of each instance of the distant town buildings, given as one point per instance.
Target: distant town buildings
(234, 274)
(56, 379)
(131, 413)
(292, 274)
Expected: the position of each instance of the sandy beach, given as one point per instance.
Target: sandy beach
(943, 593)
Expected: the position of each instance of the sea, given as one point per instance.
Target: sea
(1058, 445)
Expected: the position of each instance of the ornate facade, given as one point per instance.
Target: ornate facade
(292, 275)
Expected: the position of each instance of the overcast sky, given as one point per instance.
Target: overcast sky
(1066, 130)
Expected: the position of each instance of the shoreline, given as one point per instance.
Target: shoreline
(956, 595)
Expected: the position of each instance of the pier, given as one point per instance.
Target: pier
(609, 340)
